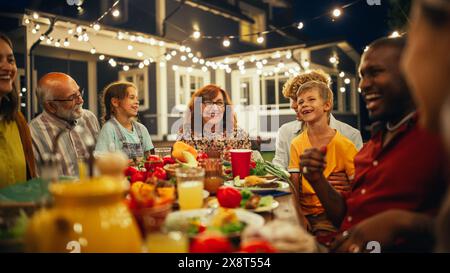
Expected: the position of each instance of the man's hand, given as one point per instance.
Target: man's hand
(312, 164)
(340, 182)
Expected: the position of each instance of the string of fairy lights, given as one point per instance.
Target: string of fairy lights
(185, 54)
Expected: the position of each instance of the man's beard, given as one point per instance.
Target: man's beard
(72, 114)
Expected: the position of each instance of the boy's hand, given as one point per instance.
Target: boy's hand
(340, 182)
(312, 164)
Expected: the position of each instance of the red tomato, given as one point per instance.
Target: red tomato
(168, 160)
(258, 247)
(210, 244)
(139, 176)
(229, 197)
(201, 155)
(252, 164)
(130, 171)
(153, 158)
(160, 173)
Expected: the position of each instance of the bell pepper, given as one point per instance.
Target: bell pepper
(229, 197)
(252, 164)
(138, 176)
(129, 171)
(202, 156)
(257, 247)
(160, 173)
(205, 243)
(168, 160)
(153, 161)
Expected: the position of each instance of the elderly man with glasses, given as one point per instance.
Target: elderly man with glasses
(63, 127)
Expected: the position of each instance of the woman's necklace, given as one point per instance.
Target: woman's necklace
(392, 128)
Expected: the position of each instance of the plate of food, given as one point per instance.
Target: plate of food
(229, 222)
(255, 183)
(251, 202)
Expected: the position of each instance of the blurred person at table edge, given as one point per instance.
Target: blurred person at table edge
(387, 175)
(16, 153)
(427, 69)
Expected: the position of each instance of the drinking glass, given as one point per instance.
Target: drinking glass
(190, 187)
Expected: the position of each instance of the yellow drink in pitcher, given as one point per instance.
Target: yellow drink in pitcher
(171, 242)
(190, 194)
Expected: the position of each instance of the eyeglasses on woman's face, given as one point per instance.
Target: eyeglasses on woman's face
(219, 103)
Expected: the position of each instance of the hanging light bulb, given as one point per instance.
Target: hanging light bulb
(188, 49)
(96, 27)
(34, 31)
(35, 15)
(132, 38)
(204, 69)
(182, 48)
(139, 54)
(196, 35)
(116, 13)
(201, 61)
(70, 31)
(85, 37)
(306, 64)
(37, 26)
(342, 89)
(42, 37)
(130, 47)
(168, 57)
(342, 74)
(190, 55)
(260, 39)
(394, 34)
(264, 62)
(173, 53)
(259, 65)
(141, 65)
(126, 68)
(27, 21)
(58, 43)
(300, 25)
(226, 42)
(347, 81)
(195, 60)
(183, 58)
(333, 59)
(93, 50)
(146, 62)
(79, 29)
(174, 67)
(337, 12)
(101, 57)
(49, 40)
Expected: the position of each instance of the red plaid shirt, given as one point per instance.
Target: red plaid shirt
(406, 174)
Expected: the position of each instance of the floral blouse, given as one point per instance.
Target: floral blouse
(217, 141)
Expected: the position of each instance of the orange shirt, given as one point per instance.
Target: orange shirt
(340, 154)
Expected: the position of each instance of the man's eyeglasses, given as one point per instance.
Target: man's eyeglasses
(218, 103)
(73, 97)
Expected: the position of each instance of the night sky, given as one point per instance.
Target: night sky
(359, 24)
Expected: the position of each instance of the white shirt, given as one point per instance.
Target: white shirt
(290, 130)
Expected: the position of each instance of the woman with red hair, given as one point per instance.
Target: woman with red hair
(210, 122)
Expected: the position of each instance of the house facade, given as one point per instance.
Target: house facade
(151, 44)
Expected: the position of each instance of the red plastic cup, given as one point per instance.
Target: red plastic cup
(240, 162)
